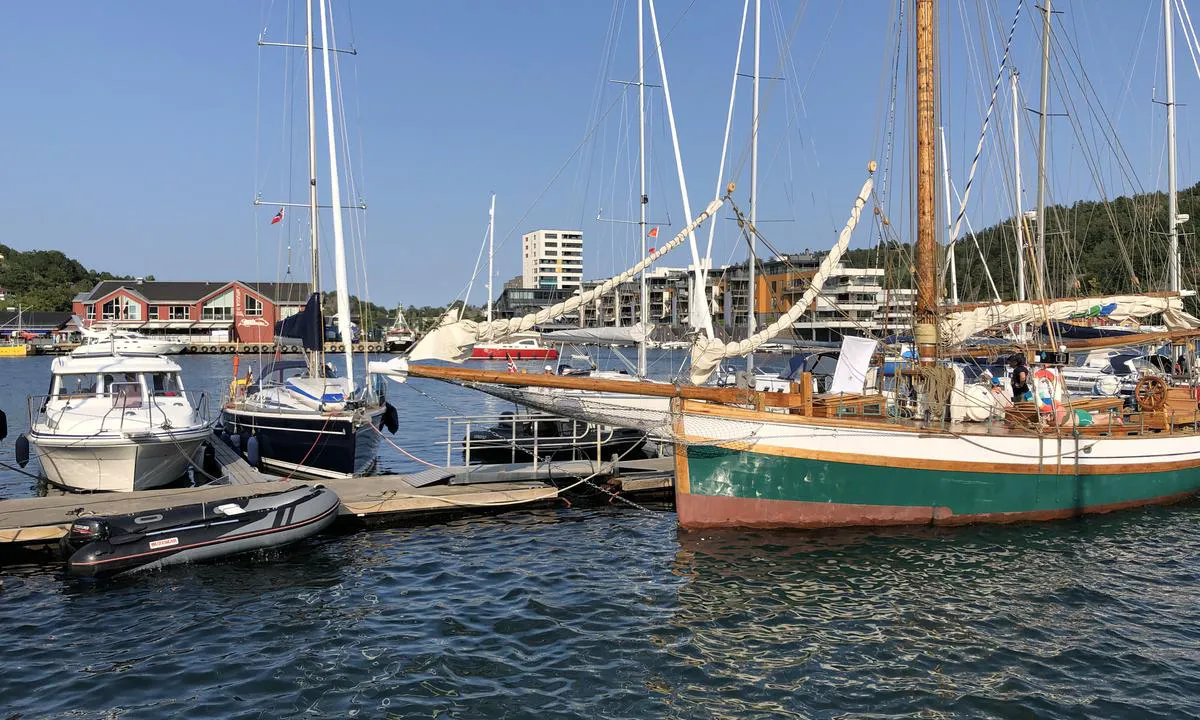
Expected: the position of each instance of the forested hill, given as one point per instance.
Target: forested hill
(44, 279)
(1091, 247)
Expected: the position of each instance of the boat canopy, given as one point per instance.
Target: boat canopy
(601, 336)
(454, 338)
(80, 364)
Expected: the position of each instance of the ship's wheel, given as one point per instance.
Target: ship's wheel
(1150, 393)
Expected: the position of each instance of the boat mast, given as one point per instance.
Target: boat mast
(642, 199)
(316, 359)
(1039, 283)
(335, 191)
(1172, 190)
(1017, 213)
(949, 218)
(754, 182)
(491, 240)
(699, 289)
(925, 327)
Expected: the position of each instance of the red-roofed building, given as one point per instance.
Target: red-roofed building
(233, 311)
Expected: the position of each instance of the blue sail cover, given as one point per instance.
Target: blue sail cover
(304, 326)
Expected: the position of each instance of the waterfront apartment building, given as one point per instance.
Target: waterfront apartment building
(552, 259)
(853, 301)
(230, 311)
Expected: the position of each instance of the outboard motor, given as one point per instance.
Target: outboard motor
(85, 531)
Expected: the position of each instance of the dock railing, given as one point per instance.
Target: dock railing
(524, 436)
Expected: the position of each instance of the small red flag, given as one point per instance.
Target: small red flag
(278, 216)
(651, 251)
(653, 232)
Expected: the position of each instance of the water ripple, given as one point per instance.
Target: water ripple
(615, 613)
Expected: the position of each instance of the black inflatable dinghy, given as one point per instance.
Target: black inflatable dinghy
(119, 544)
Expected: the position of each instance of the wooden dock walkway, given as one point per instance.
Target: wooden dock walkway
(37, 521)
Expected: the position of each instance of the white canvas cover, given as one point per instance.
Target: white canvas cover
(454, 338)
(850, 376)
(601, 336)
(957, 326)
(708, 352)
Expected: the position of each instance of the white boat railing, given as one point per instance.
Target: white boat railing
(123, 400)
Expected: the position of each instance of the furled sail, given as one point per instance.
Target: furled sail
(707, 353)
(454, 338)
(957, 326)
(631, 335)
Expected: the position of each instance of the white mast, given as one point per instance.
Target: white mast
(699, 289)
(1172, 190)
(1017, 212)
(753, 291)
(316, 359)
(642, 199)
(1040, 280)
(335, 194)
(949, 219)
(491, 241)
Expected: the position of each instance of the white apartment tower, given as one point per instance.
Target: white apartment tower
(552, 259)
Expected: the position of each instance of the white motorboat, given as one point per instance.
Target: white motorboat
(106, 341)
(115, 423)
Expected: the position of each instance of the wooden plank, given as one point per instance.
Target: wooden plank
(234, 467)
(651, 481)
(391, 494)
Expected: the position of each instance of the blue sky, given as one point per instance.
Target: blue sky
(129, 128)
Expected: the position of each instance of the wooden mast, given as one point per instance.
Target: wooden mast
(925, 329)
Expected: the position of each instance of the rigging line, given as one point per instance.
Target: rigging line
(1189, 33)
(962, 209)
(586, 165)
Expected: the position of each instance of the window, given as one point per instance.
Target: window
(121, 308)
(152, 312)
(219, 308)
(551, 236)
(253, 306)
(552, 244)
(91, 311)
(75, 385)
(179, 312)
(165, 384)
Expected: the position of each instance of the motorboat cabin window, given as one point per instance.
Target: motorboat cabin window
(219, 308)
(75, 385)
(163, 384)
(125, 389)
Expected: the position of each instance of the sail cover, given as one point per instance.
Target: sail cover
(707, 353)
(455, 337)
(601, 336)
(957, 326)
(305, 326)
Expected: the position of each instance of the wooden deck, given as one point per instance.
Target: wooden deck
(37, 521)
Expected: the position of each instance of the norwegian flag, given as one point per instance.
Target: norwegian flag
(278, 217)
(512, 366)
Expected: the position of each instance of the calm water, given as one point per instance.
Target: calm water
(614, 613)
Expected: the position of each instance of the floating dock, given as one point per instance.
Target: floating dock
(38, 522)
